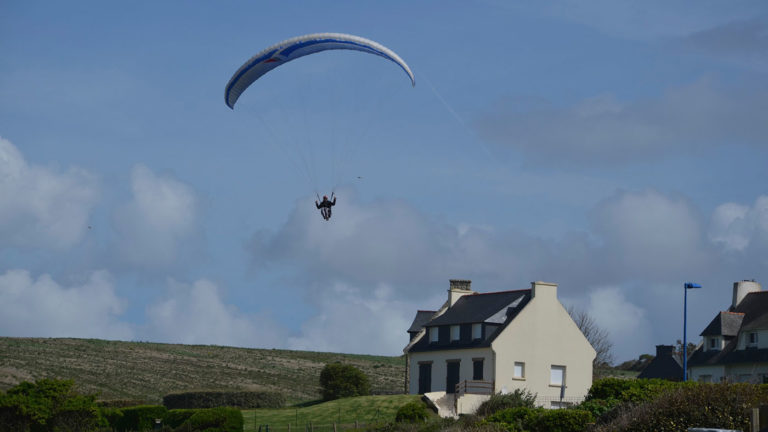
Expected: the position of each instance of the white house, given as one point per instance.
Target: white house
(734, 346)
(482, 343)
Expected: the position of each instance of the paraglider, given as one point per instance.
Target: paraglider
(294, 48)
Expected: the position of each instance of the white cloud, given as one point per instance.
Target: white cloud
(39, 207)
(737, 226)
(626, 323)
(352, 320)
(196, 314)
(43, 307)
(160, 217)
(603, 129)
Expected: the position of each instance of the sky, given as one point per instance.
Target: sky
(616, 148)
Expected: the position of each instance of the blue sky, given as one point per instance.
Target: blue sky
(616, 148)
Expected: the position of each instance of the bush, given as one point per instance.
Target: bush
(139, 418)
(498, 402)
(562, 420)
(625, 390)
(48, 404)
(177, 417)
(412, 412)
(214, 420)
(691, 405)
(212, 399)
(339, 380)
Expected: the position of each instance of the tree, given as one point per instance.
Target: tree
(48, 404)
(339, 380)
(597, 336)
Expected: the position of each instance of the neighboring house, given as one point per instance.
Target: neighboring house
(482, 343)
(666, 365)
(734, 345)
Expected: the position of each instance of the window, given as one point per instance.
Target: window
(557, 376)
(477, 369)
(455, 333)
(752, 339)
(519, 372)
(433, 335)
(713, 343)
(477, 331)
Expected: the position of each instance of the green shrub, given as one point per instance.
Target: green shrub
(412, 412)
(214, 420)
(339, 380)
(562, 420)
(515, 419)
(630, 390)
(175, 418)
(213, 399)
(498, 401)
(691, 405)
(140, 418)
(48, 404)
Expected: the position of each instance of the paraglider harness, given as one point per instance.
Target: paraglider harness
(325, 205)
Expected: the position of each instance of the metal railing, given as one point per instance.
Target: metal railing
(474, 387)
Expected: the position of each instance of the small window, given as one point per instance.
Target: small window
(477, 331)
(713, 343)
(752, 338)
(557, 376)
(455, 332)
(519, 372)
(433, 335)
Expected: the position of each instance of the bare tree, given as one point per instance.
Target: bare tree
(597, 336)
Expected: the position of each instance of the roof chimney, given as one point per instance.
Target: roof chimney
(742, 288)
(542, 289)
(665, 350)
(459, 288)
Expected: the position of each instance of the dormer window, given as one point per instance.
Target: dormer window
(713, 343)
(433, 335)
(752, 339)
(455, 333)
(477, 331)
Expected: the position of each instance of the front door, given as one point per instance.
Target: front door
(452, 377)
(425, 378)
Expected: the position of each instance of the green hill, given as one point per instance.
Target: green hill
(148, 371)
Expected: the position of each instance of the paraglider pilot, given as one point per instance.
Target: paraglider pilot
(325, 207)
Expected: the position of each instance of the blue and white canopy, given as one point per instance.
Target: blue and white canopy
(300, 46)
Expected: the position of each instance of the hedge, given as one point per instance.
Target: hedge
(542, 420)
(213, 399)
(214, 420)
(139, 418)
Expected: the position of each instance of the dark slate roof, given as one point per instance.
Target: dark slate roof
(666, 365)
(477, 308)
(754, 306)
(724, 324)
(495, 310)
(754, 310)
(421, 318)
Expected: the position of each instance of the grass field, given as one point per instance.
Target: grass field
(364, 410)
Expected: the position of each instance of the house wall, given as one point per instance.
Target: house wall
(542, 335)
(752, 373)
(715, 372)
(762, 339)
(440, 370)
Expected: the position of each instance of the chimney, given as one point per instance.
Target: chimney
(742, 288)
(459, 288)
(544, 290)
(665, 350)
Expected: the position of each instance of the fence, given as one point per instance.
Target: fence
(474, 387)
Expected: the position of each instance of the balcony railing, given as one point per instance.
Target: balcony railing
(474, 387)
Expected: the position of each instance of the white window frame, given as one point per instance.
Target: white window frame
(713, 343)
(554, 371)
(434, 335)
(477, 331)
(455, 333)
(521, 375)
(752, 339)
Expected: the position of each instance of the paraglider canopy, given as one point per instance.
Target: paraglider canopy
(300, 46)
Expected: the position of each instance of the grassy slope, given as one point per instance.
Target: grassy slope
(366, 409)
(148, 371)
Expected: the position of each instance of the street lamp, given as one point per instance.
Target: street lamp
(687, 285)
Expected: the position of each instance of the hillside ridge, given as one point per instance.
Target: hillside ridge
(147, 371)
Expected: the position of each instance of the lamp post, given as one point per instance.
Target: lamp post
(687, 286)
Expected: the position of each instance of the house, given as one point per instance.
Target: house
(734, 346)
(477, 344)
(666, 365)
